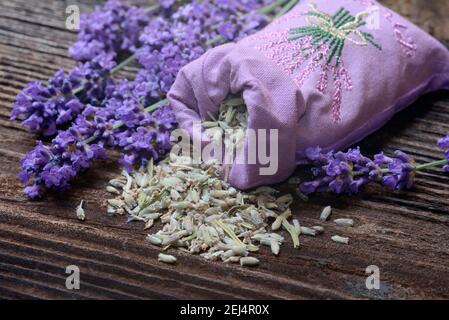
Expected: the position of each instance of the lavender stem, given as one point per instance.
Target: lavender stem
(152, 9)
(420, 167)
(429, 165)
(123, 64)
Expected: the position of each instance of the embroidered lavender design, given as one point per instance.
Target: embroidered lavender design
(333, 31)
(325, 40)
(319, 46)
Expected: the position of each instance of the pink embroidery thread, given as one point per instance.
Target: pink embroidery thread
(408, 46)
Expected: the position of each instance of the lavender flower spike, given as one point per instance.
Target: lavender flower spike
(340, 172)
(45, 108)
(111, 29)
(401, 172)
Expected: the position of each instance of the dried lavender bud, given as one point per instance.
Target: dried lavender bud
(308, 231)
(293, 233)
(117, 183)
(326, 213)
(165, 258)
(297, 226)
(318, 229)
(112, 190)
(116, 203)
(239, 250)
(344, 222)
(149, 224)
(249, 261)
(339, 239)
(154, 240)
(275, 248)
(278, 222)
(80, 214)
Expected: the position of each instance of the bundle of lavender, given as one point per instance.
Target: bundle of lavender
(87, 110)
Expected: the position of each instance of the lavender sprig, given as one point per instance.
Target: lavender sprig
(52, 167)
(347, 172)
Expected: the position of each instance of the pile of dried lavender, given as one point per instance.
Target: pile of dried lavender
(201, 213)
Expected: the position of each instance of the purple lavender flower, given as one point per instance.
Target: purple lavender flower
(111, 29)
(401, 171)
(52, 167)
(227, 30)
(443, 143)
(45, 108)
(142, 136)
(341, 172)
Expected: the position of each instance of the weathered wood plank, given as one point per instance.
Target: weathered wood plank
(405, 233)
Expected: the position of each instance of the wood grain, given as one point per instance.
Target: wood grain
(406, 234)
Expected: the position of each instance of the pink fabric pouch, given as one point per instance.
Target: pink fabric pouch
(326, 74)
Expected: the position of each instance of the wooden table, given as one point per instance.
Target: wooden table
(406, 234)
